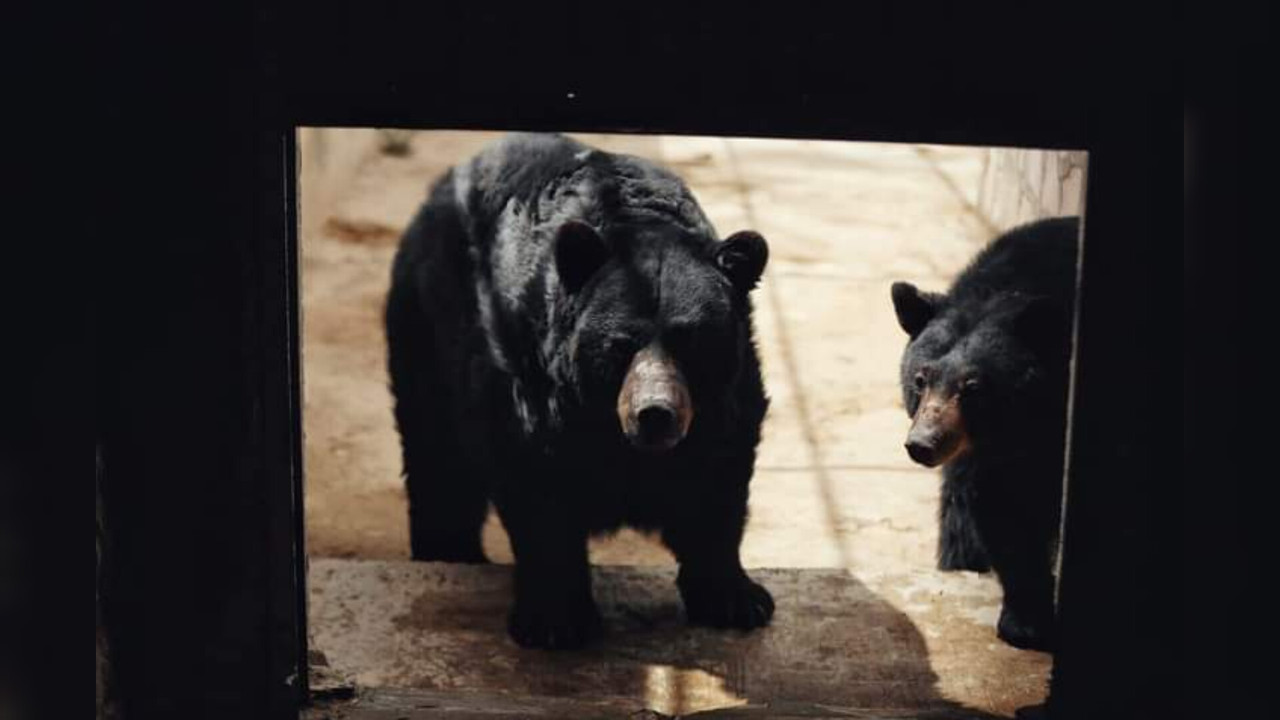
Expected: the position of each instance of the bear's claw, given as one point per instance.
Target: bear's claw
(533, 625)
(742, 604)
(1025, 635)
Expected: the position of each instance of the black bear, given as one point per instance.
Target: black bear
(569, 338)
(984, 379)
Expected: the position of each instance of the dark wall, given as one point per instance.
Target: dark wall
(182, 387)
(1228, 503)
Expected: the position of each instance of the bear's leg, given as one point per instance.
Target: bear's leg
(447, 501)
(553, 606)
(1027, 613)
(705, 537)
(1019, 541)
(959, 546)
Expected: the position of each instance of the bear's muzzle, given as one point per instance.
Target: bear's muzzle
(937, 432)
(654, 406)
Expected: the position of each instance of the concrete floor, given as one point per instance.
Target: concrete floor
(869, 624)
(905, 642)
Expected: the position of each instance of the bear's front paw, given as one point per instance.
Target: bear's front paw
(729, 603)
(1026, 631)
(554, 626)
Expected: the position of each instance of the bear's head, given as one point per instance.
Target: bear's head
(659, 324)
(968, 372)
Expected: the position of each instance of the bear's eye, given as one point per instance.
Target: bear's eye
(969, 386)
(920, 381)
(619, 344)
(682, 338)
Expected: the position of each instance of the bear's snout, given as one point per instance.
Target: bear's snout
(654, 407)
(921, 451)
(937, 432)
(656, 423)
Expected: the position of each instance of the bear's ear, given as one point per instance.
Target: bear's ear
(915, 308)
(580, 251)
(742, 257)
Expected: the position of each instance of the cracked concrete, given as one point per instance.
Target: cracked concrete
(834, 494)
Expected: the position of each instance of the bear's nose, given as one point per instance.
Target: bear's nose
(657, 424)
(920, 451)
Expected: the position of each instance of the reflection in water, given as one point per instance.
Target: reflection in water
(676, 691)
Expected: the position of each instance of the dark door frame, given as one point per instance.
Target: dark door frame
(201, 401)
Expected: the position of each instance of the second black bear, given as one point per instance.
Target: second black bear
(569, 338)
(985, 378)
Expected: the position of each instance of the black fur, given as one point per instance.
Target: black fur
(1006, 324)
(959, 545)
(520, 292)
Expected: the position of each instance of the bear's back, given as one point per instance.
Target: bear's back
(515, 193)
(517, 167)
(1038, 258)
(543, 179)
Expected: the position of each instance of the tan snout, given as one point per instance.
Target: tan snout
(654, 406)
(937, 433)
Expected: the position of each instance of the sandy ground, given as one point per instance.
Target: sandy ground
(833, 487)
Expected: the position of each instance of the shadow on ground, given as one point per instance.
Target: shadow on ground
(834, 645)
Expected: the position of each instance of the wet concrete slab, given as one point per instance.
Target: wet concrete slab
(894, 642)
(400, 704)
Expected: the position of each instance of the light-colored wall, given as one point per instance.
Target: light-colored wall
(1019, 185)
(328, 159)
(1016, 185)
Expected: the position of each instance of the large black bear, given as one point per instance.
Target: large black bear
(984, 378)
(568, 338)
